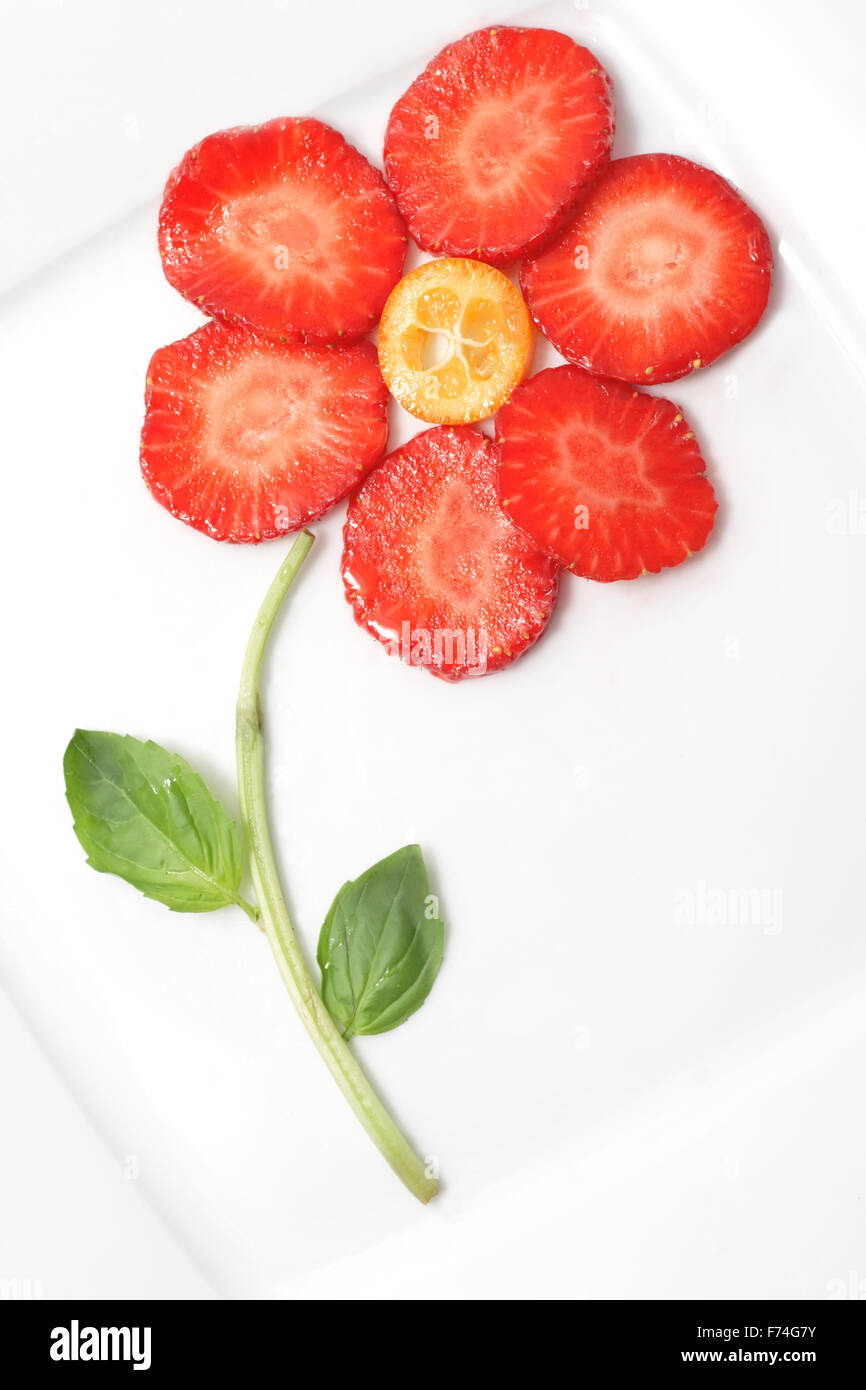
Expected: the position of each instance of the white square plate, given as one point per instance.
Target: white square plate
(646, 835)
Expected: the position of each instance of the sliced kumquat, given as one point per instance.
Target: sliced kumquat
(454, 341)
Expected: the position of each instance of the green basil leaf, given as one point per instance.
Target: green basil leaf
(380, 947)
(143, 814)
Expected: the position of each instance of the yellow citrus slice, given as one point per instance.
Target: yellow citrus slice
(454, 341)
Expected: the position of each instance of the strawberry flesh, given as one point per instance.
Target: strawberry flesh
(246, 438)
(664, 268)
(491, 146)
(435, 569)
(608, 480)
(285, 227)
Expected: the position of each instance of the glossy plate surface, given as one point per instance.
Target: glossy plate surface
(647, 835)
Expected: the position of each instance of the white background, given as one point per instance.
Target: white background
(749, 1180)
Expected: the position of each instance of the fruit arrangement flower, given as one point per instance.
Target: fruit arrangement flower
(638, 270)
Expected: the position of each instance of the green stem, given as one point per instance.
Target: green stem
(252, 912)
(274, 916)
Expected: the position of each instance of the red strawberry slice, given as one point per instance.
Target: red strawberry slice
(607, 479)
(284, 227)
(432, 565)
(663, 268)
(490, 147)
(246, 438)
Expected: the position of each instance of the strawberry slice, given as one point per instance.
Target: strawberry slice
(284, 227)
(663, 268)
(608, 480)
(246, 438)
(489, 149)
(432, 565)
